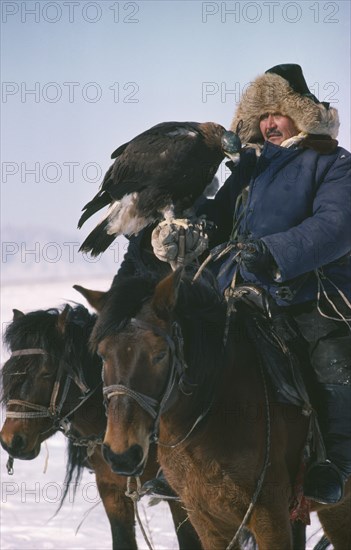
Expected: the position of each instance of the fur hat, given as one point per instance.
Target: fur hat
(283, 89)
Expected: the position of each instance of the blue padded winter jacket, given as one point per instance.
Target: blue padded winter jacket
(299, 204)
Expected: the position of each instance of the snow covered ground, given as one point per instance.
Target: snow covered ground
(30, 497)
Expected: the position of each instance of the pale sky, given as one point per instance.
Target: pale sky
(81, 78)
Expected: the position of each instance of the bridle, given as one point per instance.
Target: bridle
(53, 411)
(39, 411)
(176, 377)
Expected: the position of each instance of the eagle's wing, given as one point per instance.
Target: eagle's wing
(158, 158)
(119, 150)
(162, 170)
(151, 159)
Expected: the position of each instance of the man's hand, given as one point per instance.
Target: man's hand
(179, 241)
(255, 256)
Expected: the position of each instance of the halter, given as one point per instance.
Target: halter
(155, 408)
(39, 411)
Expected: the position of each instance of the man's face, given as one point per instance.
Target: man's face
(277, 128)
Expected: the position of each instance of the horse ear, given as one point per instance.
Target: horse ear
(62, 318)
(96, 298)
(17, 314)
(166, 294)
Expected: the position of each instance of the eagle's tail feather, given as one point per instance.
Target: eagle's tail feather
(94, 206)
(98, 240)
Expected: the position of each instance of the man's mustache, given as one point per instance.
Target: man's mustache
(272, 132)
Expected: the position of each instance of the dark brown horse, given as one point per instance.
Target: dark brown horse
(52, 382)
(223, 440)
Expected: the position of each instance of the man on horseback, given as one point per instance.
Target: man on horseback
(286, 208)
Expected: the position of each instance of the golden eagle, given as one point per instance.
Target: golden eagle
(156, 175)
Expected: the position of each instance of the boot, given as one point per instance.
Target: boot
(158, 487)
(324, 481)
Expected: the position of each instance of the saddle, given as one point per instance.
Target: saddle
(276, 339)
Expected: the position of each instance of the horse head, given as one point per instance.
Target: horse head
(140, 341)
(37, 387)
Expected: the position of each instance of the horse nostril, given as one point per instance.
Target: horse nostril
(136, 454)
(131, 462)
(14, 445)
(18, 443)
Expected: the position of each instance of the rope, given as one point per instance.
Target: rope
(135, 497)
(215, 254)
(46, 457)
(179, 442)
(321, 289)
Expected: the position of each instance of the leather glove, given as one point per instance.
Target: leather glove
(256, 256)
(165, 240)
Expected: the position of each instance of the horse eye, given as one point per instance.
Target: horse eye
(158, 358)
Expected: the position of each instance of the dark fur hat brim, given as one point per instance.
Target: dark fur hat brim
(271, 93)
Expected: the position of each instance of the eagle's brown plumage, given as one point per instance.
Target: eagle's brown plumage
(164, 169)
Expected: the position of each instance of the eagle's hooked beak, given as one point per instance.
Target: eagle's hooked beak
(231, 145)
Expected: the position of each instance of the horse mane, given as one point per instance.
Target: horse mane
(77, 359)
(36, 329)
(201, 313)
(31, 329)
(200, 310)
(123, 301)
(39, 329)
(76, 462)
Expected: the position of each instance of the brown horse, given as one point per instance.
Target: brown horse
(225, 445)
(52, 382)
